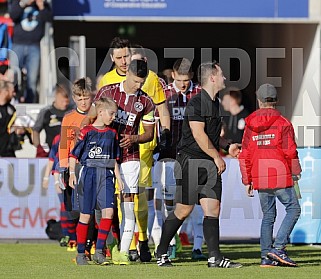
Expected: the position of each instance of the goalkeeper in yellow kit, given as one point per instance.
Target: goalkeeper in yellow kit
(121, 55)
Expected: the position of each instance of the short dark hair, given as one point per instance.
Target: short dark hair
(183, 66)
(205, 69)
(118, 42)
(138, 68)
(137, 49)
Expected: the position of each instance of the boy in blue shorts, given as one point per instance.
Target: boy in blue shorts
(97, 151)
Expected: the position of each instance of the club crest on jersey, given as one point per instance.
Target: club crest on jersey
(138, 106)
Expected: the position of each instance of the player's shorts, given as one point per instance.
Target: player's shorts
(196, 179)
(129, 172)
(164, 180)
(95, 189)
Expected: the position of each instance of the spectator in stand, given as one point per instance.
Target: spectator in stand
(6, 32)
(8, 139)
(50, 119)
(29, 17)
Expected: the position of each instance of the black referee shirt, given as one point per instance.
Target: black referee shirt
(201, 108)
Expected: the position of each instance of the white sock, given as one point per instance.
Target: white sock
(151, 216)
(197, 222)
(129, 225)
(157, 227)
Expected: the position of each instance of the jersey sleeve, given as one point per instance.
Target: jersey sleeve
(78, 149)
(149, 112)
(64, 145)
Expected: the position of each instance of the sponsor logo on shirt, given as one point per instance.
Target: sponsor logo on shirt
(95, 153)
(178, 113)
(125, 118)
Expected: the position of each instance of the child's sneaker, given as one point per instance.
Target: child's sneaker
(222, 263)
(197, 255)
(266, 262)
(64, 241)
(281, 256)
(99, 258)
(144, 253)
(171, 252)
(81, 259)
(72, 246)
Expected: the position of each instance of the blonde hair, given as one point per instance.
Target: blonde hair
(82, 87)
(105, 103)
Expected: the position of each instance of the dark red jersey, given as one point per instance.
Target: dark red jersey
(176, 103)
(132, 108)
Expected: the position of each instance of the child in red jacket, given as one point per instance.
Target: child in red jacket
(269, 161)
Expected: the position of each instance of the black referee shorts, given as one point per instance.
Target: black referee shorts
(196, 179)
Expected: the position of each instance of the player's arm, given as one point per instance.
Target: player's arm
(128, 140)
(45, 179)
(203, 141)
(72, 174)
(64, 145)
(118, 177)
(231, 148)
(164, 116)
(37, 128)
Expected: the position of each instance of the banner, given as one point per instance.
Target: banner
(308, 228)
(168, 9)
(25, 207)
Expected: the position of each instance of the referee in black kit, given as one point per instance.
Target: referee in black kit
(199, 167)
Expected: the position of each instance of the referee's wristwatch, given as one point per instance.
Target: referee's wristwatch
(227, 147)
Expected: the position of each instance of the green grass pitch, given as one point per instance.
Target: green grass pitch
(49, 260)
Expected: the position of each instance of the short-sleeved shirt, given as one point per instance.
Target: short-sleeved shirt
(201, 108)
(96, 147)
(49, 119)
(132, 108)
(176, 102)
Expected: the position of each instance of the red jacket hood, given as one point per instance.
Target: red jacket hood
(262, 119)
